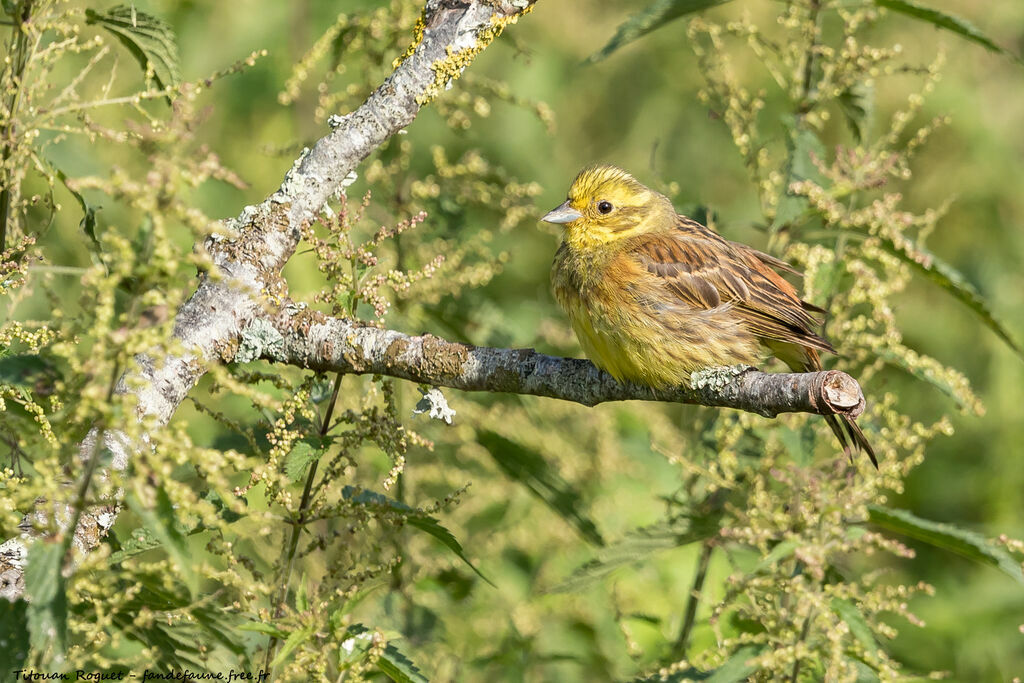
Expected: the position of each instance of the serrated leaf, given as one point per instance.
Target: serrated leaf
(804, 146)
(734, 669)
(637, 546)
(47, 613)
(969, 544)
(949, 279)
(859, 628)
(922, 373)
(299, 458)
(654, 16)
(292, 642)
(139, 541)
(949, 22)
(532, 470)
(150, 40)
(858, 106)
(398, 667)
(415, 519)
(163, 523)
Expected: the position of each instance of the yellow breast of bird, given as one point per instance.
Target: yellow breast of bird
(631, 325)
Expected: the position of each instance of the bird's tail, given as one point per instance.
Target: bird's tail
(850, 436)
(847, 431)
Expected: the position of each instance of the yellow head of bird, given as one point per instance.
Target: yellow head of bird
(605, 204)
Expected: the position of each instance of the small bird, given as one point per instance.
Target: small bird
(654, 296)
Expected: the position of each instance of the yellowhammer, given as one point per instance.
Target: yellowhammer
(654, 296)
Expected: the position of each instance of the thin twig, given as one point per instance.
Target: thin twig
(301, 521)
(692, 600)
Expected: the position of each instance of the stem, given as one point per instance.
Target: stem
(19, 49)
(90, 470)
(803, 636)
(297, 526)
(808, 93)
(690, 618)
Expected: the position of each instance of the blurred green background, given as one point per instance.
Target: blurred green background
(638, 109)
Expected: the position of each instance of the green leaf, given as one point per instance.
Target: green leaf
(415, 519)
(858, 106)
(48, 605)
(531, 469)
(780, 552)
(23, 370)
(261, 627)
(292, 642)
(804, 146)
(969, 544)
(922, 373)
(150, 40)
(14, 632)
(949, 22)
(859, 628)
(398, 667)
(299, 458)
(734, 670)
(88, 223)
(638, 545)
(654, 16)
(163, 523)
(139, 541)
(949, 279)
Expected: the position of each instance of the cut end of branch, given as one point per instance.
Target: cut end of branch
(841, 393)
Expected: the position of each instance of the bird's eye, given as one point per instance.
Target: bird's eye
(605, 207)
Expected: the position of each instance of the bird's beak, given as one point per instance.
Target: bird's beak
(562, 214)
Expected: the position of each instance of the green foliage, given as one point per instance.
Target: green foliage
(150, 40)
(253, 534)
(652, 17)
(971, 545)
(939, 19)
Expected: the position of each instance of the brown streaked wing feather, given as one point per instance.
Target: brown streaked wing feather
(704, 270)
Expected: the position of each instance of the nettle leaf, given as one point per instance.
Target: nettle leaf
(299, 458)
(924, 374)
(262, 627)
(949, 279)
(969, 544)
(398, 667)
(949, 22)
(163, 523)
(734, 670)
(139, 541)
(646, 20)
(292, 642)
(88, 224)
(858, 106)
(531, 469)
(150, 40)
(47, 613)
(853, 617)
(804, 147)
(637, 546)
(415, 519)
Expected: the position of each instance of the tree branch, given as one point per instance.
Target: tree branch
(312, 340)
(260, 241)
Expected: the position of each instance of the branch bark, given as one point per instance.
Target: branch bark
(263, 237)
(312, 340)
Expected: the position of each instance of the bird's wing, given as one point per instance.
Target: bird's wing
(704, 271)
